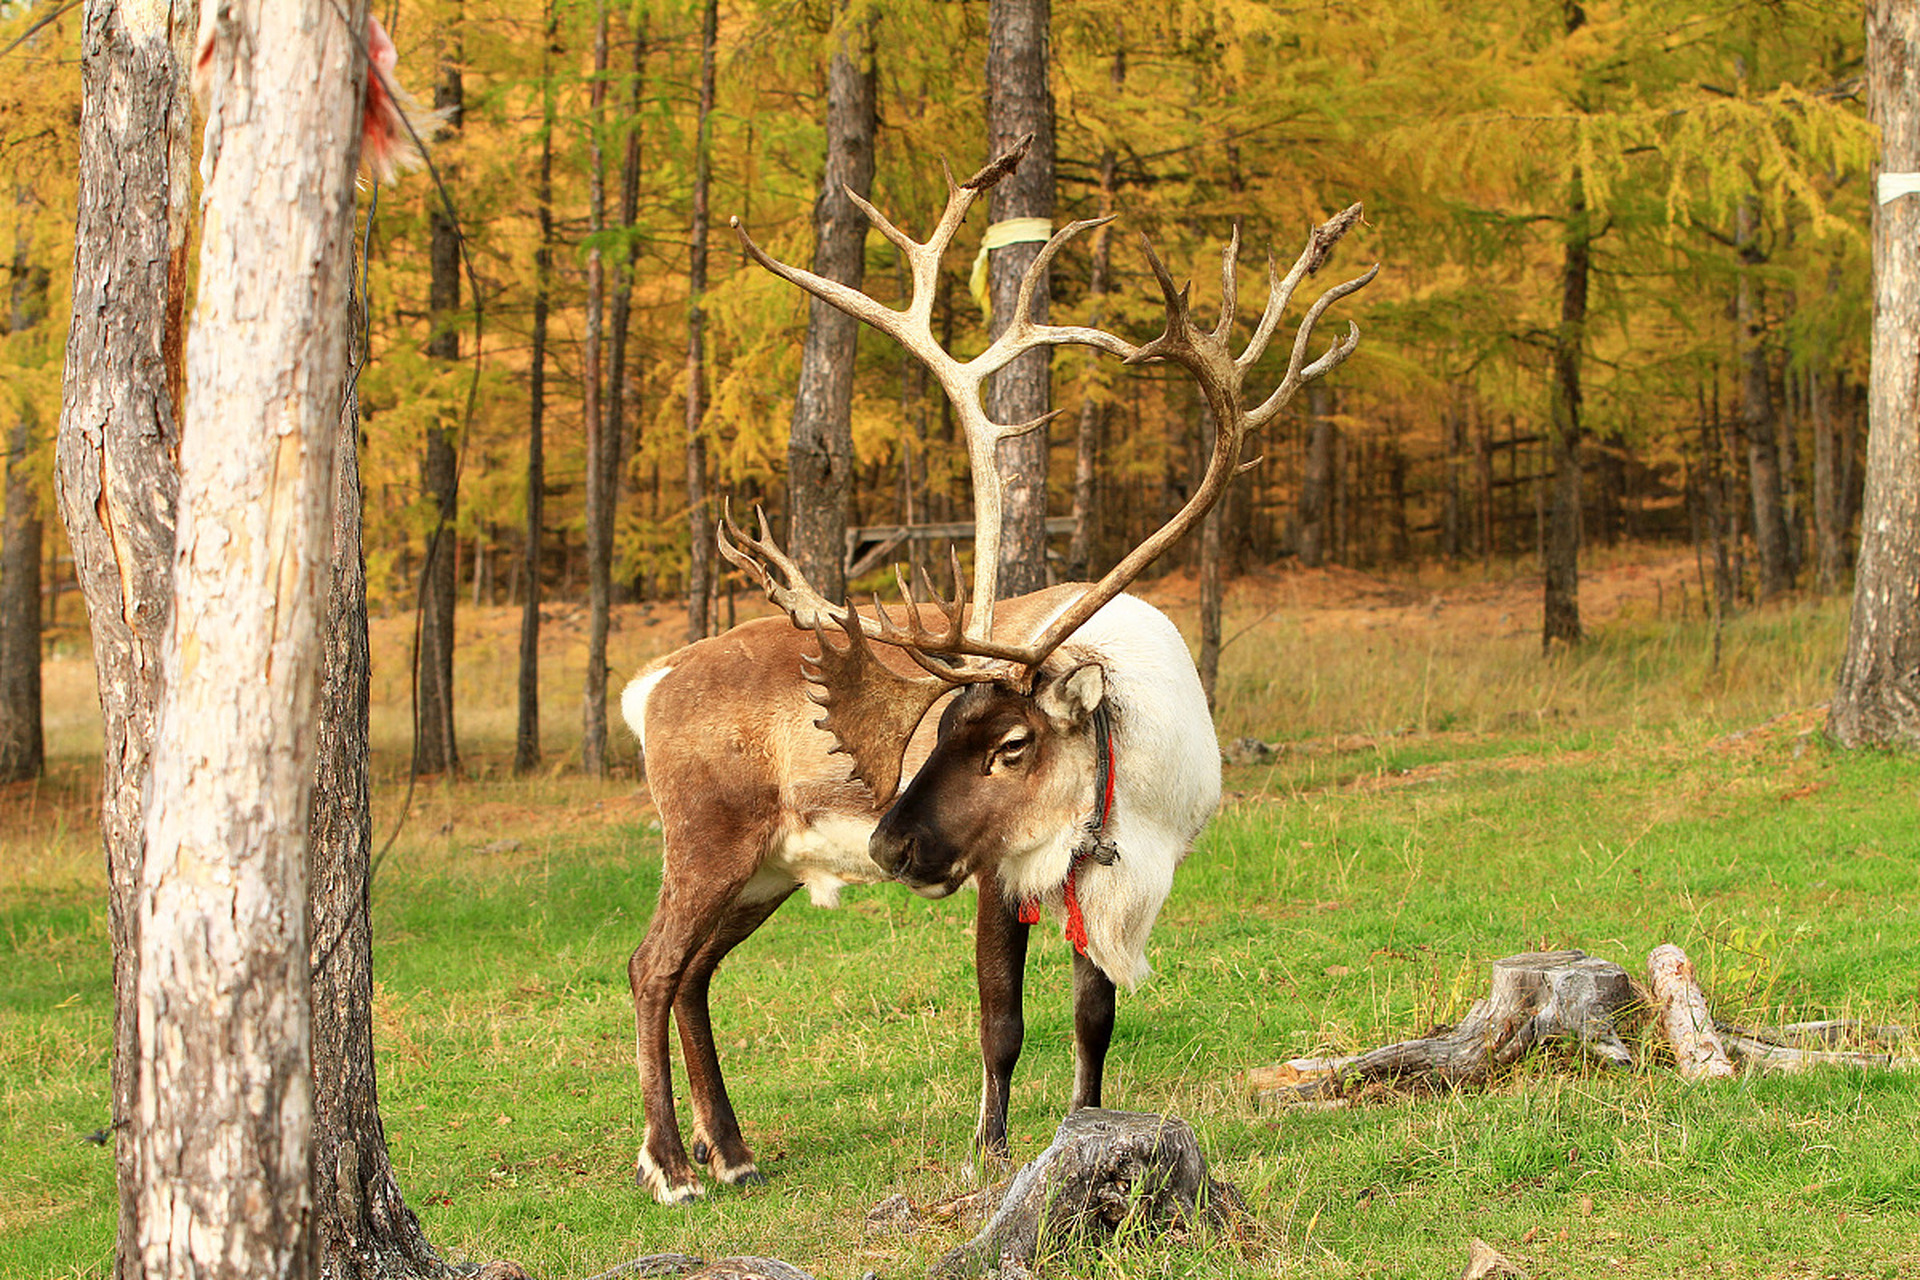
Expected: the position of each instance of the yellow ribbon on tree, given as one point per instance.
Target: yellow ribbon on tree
(1000, 235)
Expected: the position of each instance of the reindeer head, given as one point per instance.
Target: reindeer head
(1020, 723)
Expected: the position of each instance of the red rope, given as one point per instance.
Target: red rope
(1076, 928)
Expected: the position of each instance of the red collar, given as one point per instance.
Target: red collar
(1094, 844)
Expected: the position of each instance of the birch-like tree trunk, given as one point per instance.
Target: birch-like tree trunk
(118, 438)
(1878, 698)
(820, 458)
(225, 1072)
(1020, 102)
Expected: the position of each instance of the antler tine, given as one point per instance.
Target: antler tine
(1320, 243)
(1022, 334)
(756, 557)
(1229, 285)
(1221, 379)
(1341, 349)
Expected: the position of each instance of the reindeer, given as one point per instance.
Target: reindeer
(1067, 774)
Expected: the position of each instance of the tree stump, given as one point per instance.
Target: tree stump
(1104, 1168)
(1536, 997)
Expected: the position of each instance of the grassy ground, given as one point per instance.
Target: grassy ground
(1442, 798)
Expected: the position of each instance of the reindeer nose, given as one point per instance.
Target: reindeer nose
(890, 851)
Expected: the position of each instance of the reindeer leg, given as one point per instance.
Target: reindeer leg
(1000, 963)
(683, 922)
(1092, 1030)
(717, 1142)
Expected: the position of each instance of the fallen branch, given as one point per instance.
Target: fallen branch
(1536, 997)
(1684, 1016)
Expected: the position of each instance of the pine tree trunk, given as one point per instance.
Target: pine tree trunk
(597, 417)
(1561, 561)
(1829, 466)
(1757, 414)
(226, 1073)
(699, 519)
(119, 434)
(1093, 409)
(1878, 697)
(526, 736)
(1316, 479)
(820, 457)
(23, 750)
(434, 749)
(1020, 102)
(363, 1229)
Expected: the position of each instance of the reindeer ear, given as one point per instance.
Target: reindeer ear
(1072, 696)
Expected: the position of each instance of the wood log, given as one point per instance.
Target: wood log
(1763, 1050)
(1103, 1169)
(1536, 997)
(1682, 1009)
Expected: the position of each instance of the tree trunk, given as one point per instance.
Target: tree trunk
(1878, 698)
(1212, 591)
(699, 519)
(597, 417)
(1829, 467)
(363, 1229)
(1757, 414)
(118, 438)
(526, 736)
(434, 750)
(226, 1074)
(22, 745)
(1316, 479)
(820, 457)
(1093, 403)
(1020, 102)
(1561, 562)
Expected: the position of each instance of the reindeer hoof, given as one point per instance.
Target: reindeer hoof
(653, 1179)
(742, 1176)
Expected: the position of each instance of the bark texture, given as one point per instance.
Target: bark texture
(225, 1073)
(820, 457)
(1020, 102)
(1878, 697)
(116, 453)
(363, 1229)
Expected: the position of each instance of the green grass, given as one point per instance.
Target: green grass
(1348, 895)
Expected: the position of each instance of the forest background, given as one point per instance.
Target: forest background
(1704, 167)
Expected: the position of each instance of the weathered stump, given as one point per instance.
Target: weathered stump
(1536, 997)
(1103, 1169)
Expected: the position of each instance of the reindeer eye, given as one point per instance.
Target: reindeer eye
(1012, 750)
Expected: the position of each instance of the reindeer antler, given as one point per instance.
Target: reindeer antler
(961, 648)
